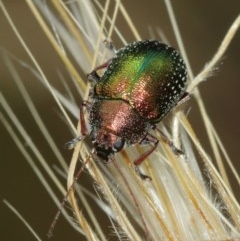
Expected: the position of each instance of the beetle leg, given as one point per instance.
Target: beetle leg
(170, 143)
(71, 144)
(148, 139)
(82, 119)
(93, 76)
(86, 104)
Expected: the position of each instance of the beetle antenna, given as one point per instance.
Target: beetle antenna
(71, 188)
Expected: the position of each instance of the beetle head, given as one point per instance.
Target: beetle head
(105, 143)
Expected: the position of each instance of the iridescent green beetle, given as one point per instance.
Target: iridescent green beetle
(141, 84)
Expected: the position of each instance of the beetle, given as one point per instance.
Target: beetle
(141, 84)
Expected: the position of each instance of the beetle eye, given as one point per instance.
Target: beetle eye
(118, 145)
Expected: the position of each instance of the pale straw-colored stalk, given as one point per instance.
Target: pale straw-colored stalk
(178, 203)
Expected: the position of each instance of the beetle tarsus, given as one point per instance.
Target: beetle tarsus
(141, 175)
(71, 144)
(109, 45)
(175, 150)
(93, 76)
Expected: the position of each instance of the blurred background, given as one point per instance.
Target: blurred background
(203, 25)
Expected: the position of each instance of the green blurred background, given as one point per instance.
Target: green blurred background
(203, 25)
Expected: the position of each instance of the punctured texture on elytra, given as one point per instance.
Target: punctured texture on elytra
(148, 75)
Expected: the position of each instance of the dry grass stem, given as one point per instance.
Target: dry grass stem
(183, 201)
